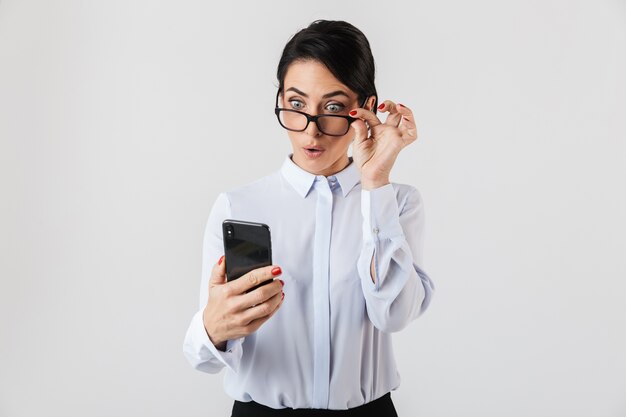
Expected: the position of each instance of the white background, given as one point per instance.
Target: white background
(121, 121)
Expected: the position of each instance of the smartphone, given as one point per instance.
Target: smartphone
(247, 246)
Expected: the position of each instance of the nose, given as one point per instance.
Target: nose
(312, 129)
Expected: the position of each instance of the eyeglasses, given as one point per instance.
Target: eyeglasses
(328, 124)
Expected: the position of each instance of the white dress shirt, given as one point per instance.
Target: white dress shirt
(330, 343)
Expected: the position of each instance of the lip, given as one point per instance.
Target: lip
(313, 152)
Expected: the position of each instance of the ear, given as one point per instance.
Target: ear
(371, 102)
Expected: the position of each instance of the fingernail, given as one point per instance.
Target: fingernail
(282, 296)
(401, 105)
(282, 282)
(276, 271)
(353, 113)
(381, 106)
(221, 259)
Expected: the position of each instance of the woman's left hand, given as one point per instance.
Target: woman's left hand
(376, 154)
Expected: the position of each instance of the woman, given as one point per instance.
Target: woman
(347, 247)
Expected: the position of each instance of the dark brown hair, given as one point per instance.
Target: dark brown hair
(341, 47)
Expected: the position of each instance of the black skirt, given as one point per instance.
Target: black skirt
(381, 407)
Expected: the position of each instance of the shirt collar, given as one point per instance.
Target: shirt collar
(302, 181)
(348, 178)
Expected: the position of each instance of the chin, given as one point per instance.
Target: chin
(324, 165)
(316, 166)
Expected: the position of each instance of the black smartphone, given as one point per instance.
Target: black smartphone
(247, 246)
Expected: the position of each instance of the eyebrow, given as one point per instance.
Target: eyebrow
(331, 94)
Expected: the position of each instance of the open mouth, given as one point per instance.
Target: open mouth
(313, 151)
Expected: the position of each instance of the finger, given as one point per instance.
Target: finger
(408, 127)
(360, 131)
(402, 108)
(254, 278)
(261, 310)
(388, 106)
(259, 295)
(254, 325)
(218, 273)
(366, 115)
(394, 117)
(254, 319)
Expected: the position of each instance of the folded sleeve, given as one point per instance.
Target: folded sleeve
(393, 237)
(197, 347)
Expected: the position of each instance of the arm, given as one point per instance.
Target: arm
(395, 287)
(197, 347)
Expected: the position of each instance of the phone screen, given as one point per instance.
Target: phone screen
(247, 246)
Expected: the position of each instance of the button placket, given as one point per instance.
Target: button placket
(321, 301)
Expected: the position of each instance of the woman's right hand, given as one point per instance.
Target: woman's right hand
(231, 312)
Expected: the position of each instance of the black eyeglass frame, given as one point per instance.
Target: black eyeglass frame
(310, 118)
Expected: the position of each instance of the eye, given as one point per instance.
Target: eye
(296, 104)
(335, 107)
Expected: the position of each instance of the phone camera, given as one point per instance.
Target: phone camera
(229, 231)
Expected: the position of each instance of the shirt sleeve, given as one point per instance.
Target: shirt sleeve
(393, 236)
(197, 347)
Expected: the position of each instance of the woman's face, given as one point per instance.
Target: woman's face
(311, 88)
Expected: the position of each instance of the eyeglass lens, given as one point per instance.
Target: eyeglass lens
(329, 125)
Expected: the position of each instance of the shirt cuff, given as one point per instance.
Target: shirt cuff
(381, 216)
(207, 351)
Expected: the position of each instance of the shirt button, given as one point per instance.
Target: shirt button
(375, 230)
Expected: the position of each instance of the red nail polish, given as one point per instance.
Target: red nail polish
(282, 296)
(276, 271)
(221, 259)
(381, 106)
(401, 105)
(353, 113)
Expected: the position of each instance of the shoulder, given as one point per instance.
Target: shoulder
(254, 189)
(239, 201)
(252, 197)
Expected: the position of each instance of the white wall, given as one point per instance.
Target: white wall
(120, 121)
